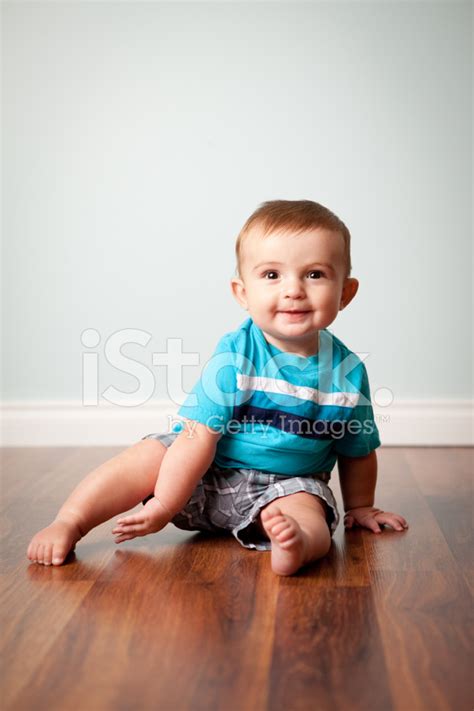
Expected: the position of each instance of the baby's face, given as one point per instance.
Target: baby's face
(294, 286)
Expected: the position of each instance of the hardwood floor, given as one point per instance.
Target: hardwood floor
(185, 621)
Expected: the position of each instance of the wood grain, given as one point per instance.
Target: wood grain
(192, 622)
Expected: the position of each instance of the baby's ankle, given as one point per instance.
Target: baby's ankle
(71, 518)
(316, 545)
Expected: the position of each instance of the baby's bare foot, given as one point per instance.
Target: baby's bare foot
(52, 544)
(288, 540)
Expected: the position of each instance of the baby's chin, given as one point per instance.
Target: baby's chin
(292, 338)
(293, 326)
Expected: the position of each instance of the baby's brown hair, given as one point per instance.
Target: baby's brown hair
(295, 215)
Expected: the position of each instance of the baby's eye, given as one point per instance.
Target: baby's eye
(318, 272)
(269, 273)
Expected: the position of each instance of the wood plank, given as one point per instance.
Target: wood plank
(33, 615)
(422, 546)
(422, 603)
(425, 619)
(328, 652)
(444, 478)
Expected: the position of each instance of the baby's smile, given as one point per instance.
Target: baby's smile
(293, 314)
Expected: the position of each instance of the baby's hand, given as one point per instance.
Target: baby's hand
(153, 518)
(370, 517)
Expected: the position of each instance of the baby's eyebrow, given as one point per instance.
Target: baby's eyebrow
(312, 264)
(268, 264)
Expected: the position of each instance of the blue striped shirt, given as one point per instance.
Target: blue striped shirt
(280, 412)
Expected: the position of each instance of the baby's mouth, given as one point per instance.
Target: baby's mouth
(294, 314)
(294, 311)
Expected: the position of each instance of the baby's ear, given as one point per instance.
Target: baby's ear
(238, 291)
(349, 290)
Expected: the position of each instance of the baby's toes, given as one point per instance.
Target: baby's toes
(287, 535)
(59, 554)
(48, 548)
(269, 513)
(39, 553)
(31, 552)
(33, 548)
(280, 526)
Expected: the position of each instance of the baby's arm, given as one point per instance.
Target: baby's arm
(183, 465)
(358, 477)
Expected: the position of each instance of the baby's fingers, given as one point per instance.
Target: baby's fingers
(124, 537)
(129, 526)
(371, 524)
(133, 518)
(396, 521)
(132, 531)
(401, 520)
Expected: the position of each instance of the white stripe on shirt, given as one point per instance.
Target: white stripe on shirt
(283, 387)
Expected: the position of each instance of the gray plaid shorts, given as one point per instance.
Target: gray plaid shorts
(231, 499)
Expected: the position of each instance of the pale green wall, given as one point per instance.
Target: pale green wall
(138, 137)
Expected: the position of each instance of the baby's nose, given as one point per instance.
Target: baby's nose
(294, 289)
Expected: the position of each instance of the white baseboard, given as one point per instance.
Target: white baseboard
(71, 424)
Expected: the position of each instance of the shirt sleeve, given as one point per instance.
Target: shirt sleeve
(360, 434)
(213, 398)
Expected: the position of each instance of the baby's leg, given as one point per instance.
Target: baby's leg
(297, 527)
(114, 487)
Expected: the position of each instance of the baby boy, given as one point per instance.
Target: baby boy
(278, 404)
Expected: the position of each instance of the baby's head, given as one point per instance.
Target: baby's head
(293, 271)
